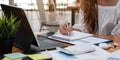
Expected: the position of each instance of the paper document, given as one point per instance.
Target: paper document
(92, 40)
(75, 35)
(98, 54)
(77, 49)
(114, 56)
(88, 40)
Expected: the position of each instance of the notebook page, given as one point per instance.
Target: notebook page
(75, 35)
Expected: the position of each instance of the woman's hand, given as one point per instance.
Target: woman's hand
(65, 29)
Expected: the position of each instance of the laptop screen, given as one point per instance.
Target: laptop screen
(24, 37)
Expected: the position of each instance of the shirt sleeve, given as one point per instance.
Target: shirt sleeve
(80, 25)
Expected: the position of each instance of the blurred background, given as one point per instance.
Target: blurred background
(55, 10)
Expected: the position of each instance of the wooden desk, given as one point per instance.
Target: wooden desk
(114, 38)
(73, 8)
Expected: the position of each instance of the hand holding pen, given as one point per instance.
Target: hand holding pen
(69, 29)
(65, 29)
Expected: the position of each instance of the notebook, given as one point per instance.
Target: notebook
(75, 35)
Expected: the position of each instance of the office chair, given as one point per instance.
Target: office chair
(50, 23)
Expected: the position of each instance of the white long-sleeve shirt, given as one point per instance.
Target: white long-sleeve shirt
(108, 20)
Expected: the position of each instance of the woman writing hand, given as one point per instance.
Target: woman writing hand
(65, 29)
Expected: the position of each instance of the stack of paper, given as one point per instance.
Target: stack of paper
(98, 54)
(114, 56)
(91, 40)
(75, 35)
(77, 49)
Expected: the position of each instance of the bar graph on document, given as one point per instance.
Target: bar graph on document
(115, 55)
(112, 58)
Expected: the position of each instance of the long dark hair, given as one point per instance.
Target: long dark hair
(90, 11)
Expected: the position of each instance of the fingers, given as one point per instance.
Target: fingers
(64, 29)
(69, 29)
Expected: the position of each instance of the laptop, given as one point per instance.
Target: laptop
(25, 38)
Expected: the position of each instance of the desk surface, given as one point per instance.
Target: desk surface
(113, 37)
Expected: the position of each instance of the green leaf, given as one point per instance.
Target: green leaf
(8, 27)
(12, 21)
(14, 29)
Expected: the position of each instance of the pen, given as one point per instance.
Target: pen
(69, 32)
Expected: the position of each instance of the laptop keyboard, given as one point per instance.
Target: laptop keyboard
(47, 44)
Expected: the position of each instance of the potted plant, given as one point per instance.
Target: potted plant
(8, 28)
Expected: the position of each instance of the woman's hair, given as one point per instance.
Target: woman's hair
(90, 13)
